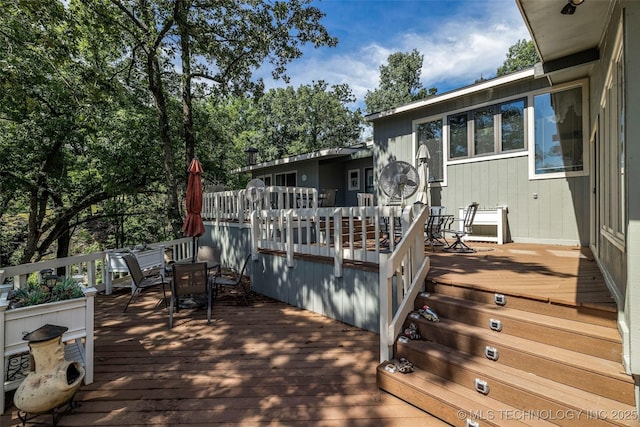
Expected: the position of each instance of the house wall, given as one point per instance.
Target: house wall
(619, 260)
(331, 175)
(230, 241)
(351, 196)
(309, 284)
(539, 211)
(611, 256)
(308, 168)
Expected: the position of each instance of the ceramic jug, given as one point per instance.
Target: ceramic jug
(52, 380)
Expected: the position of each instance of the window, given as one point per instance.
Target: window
(512, 125)
(354, 180)
(611, 154)
(558, 131)
(493, 129)
(483, 135)
(458, 144)
(266, 179)
(430, 134)
(287, 179)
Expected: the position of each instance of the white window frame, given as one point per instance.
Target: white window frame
(353, 174)
(276, 175)
(265, 177)
(500, 155)
(584, 84)
(445, 155)
(612, 203)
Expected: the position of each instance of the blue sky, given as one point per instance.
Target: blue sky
(461, 40)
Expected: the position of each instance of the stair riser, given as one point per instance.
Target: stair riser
(446, 411)
(573, 376)
(515, 395)
(536, 332)
(581, 314)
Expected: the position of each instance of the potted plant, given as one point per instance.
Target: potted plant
(25, 309)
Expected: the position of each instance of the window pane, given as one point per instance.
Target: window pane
(512, 115)
(483, 139)
(458, 136)
(558, 131)
(430, 134)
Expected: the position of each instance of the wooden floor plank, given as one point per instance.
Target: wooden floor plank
(267, 364)
(560, 274)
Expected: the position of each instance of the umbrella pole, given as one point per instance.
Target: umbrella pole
(193, 250)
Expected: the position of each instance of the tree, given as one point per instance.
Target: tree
(221, 43)
(399, 82)
(521, 55)
(58, 108)
(307, 119)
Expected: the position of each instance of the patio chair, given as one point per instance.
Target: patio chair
(234, 281)
(437, 221)
(467, 225)
(141, 281)
(327, 197)
(211, 256)
(189, 280)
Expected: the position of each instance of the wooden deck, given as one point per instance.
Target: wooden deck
(562, 275)
(273, 364)
(267, 364)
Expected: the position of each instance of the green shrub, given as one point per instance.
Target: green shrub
(34, 293)
(67, 288)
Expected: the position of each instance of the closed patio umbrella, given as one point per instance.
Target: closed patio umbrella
(423, 172)
(193, 225)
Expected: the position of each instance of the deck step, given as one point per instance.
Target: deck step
(592, 374)
(451, 402)
(594, 340)
(514, 387)
(602, 316)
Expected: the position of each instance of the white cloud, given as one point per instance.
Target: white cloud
(457, 51)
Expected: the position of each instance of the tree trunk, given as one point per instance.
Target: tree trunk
(187, 113)
(157, 89)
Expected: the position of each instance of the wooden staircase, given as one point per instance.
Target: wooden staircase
(516, 361)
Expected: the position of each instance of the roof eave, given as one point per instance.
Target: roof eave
(468, 90)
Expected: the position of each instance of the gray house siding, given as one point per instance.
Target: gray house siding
(558, 214)
(311, 285)
(539, 211)
(612, 258)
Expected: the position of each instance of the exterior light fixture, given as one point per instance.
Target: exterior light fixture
(570, 7)
(252, 155)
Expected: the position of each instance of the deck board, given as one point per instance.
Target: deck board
(268, 364)
(560, 274)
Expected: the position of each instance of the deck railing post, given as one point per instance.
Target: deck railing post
(288, 235)
(386, 308)
(338, 256)
(255, 234)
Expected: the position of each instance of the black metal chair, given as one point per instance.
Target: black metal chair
(190, 279)
(467, 226)
(437, 221)
(141, 281)
(234, 281)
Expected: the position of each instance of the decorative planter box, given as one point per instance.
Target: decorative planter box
(76, 314)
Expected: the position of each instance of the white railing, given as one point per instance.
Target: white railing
(409, 267)
(235, 206)
(343, 233)
(91, 269)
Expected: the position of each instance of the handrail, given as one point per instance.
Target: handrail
(86, 267)
(235, 206)
(320, 232)
(409, 267)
